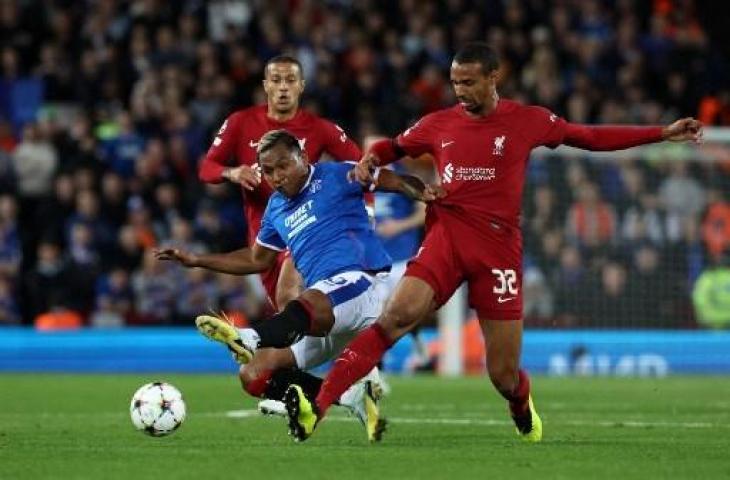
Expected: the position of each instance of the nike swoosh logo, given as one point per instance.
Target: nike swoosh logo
(503, 300)
(253, 144)
(446, 144)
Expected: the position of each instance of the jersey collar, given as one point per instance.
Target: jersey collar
(277, 123)
(497, 109)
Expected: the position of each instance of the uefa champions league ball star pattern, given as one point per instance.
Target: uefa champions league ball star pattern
(157, 409)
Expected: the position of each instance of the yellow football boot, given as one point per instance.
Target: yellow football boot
(529, 425)
(302, 413)
(220, 329)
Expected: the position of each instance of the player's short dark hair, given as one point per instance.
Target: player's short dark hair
(478, 52)
(285, 59)
(279, 137)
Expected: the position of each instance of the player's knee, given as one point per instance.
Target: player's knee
(245, 375)
(285, 295)
(253, 381)
(398, 320)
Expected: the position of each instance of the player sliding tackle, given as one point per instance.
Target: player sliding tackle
(318, 213)
(481, 147)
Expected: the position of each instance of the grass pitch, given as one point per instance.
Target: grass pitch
(78, 427)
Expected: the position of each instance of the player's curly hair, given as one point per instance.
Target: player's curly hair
(478, 52)
(275, 137)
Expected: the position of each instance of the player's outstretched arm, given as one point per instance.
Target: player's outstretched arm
(237, 262)
(409, 185)
(618, 137)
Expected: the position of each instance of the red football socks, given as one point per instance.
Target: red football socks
(257, 387)
(358, 358)
(518, 401)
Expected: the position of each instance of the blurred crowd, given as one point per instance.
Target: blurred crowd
(622, 244)
(107, 106)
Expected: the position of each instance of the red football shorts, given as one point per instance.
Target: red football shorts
(488, 259)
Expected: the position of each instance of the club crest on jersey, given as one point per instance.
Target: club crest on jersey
(315, 186)
(499, 145)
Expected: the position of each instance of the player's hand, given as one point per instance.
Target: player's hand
(433, 192)
(249, 177)
(176, 255)
(682, 130)
(363, 171)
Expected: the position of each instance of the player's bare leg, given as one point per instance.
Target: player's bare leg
(413, 300)
(503, 341)
(289, 285)
(322, 316)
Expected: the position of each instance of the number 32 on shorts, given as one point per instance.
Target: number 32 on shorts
(506, 281)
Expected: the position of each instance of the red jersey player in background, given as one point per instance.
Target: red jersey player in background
(481, 147)
(238, 138)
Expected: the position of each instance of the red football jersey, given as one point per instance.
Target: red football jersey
(238, 138)
(482, 161)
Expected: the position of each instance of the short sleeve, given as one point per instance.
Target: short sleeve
(419, 138)
(544, 127)
(268, 236)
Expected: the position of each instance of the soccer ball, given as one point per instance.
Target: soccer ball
(157, 409)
